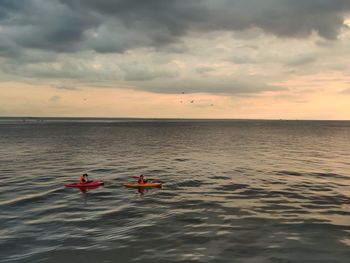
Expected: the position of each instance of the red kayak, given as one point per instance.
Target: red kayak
(88, 184)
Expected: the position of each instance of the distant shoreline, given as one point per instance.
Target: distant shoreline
(27, 118)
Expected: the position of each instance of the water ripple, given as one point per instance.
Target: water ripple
(248, 191)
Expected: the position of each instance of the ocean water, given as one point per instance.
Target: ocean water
(235, 191)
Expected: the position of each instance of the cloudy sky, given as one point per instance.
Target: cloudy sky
(279, 59)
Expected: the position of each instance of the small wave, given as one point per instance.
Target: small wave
(31, 198)
(181, 159)
(232, 187)
(190, 183)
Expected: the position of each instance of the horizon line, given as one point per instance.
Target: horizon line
(166, 118)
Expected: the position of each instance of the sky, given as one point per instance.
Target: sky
(255, 59)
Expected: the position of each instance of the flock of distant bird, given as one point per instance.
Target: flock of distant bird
(192, 101)
(181, 101)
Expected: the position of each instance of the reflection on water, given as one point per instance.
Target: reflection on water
(235, 191)
(87, 189)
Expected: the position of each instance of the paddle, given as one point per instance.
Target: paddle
(155, 181)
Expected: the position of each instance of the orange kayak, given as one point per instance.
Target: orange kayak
(136, 185)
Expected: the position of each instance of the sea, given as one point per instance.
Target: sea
(252, 191)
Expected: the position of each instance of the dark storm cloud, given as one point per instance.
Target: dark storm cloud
(118, 25)
(38, 39)
(42, 25)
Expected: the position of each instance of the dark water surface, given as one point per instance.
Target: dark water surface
(235, 191)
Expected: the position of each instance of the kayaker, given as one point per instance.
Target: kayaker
(84, 179)
(141, 180)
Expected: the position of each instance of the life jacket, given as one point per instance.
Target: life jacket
(141, 181)
(82, 179)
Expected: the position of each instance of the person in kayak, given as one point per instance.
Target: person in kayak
(84, 179)
(141, 180)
